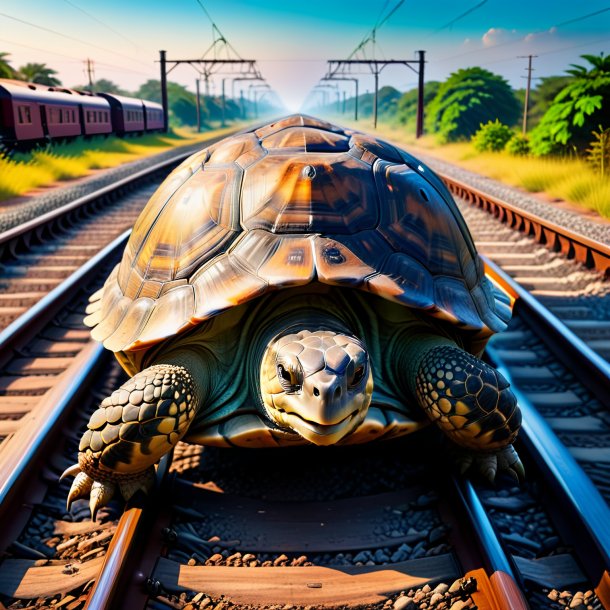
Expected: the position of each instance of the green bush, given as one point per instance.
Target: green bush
(469, 97)
(492, 136)
(518, 145)
(576, 111)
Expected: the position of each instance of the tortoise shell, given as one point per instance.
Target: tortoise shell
(293, 202)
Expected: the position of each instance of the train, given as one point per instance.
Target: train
(31, 113)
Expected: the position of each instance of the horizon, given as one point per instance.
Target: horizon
(292, 42)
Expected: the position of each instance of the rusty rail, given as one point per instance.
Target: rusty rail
(591, 253)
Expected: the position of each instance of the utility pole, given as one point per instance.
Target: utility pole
(198, 106)
(527, 90)
(343, 66)
(89, 64)
(419, 128)
(162, 61)
(204, 67)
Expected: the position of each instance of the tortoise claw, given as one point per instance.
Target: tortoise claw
(509, 462)
(71, 471)
(101, 494)
(489, 465)
(81, 486)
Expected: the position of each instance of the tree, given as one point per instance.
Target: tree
(577, 110)
(6, 70)
(39, 73)
(406, 107)
(104, 86)
(469, 97)
(543, 95)
(182, 103)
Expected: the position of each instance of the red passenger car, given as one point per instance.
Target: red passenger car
(19, 112)
(95, 116)
(31, 113)
(153, 113)
(127, 113)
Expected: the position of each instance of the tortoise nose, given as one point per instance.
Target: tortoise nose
(336, 395)
(328, 401)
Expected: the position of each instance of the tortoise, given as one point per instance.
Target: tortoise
(298, 283)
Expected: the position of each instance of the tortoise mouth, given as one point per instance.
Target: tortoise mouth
(319, 434)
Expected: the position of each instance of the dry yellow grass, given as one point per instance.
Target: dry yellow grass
(24, 172)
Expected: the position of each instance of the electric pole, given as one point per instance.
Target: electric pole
(89, 64)
(527, 90)
(198, 106)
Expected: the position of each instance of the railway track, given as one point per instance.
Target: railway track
(48, 267)
(352, 527)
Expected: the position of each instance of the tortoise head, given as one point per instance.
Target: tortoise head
(316, 384)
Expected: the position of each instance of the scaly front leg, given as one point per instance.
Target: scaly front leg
(470, 401)
(130, 431)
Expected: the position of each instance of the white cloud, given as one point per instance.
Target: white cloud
(540, 35)
(495, 36)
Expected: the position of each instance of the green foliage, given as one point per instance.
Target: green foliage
(543, 95)
(6, 70)
(492, 136)
(518, 145)
(182, 103)
(576, 110)
(104, 86)
(39, 73)
(386, 103)
(406, 107)
(468, 98)
(599, 153)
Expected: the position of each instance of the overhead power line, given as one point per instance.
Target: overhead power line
(117, 33)
(456, 19)
(73, 58)
(217, 35)
(68, 37)
(511, 42)
(372, 35)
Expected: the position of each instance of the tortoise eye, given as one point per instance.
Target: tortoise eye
(358, 375)
(290, 375)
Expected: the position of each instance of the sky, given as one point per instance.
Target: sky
(292, 40)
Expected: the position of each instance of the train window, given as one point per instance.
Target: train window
(23, 115)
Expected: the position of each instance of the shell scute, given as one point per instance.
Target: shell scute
(307, 139)
(310, 193)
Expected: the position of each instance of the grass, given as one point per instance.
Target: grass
(24, 172)
(570, 179)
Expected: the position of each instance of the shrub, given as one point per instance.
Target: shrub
(518, 145)
(599, 153)
(492, 136)
(576, 110)
(468, 98)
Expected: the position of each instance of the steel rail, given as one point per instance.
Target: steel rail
(576, 491)
(571, 244)
(23, 453)
(24, 327)
(502, 579)
(573, 487)
(132, 525)
(592, 370)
